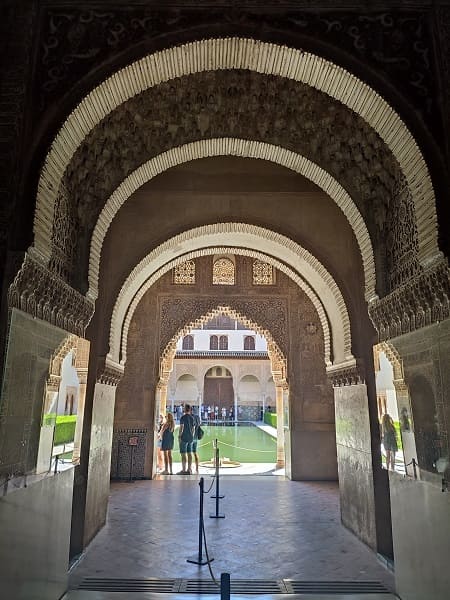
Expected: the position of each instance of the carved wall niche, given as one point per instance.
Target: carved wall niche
(246, 105)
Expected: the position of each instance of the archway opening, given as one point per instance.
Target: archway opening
(223, 368)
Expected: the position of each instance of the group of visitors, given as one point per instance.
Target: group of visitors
(187, 438)
(214, 413)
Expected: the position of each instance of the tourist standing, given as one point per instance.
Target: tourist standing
(389, 439)
(195, 442)
(185, 438)
(167, 441)
(159, 455)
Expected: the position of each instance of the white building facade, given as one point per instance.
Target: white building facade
(224, 371)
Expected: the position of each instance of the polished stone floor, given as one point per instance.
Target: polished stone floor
(273, 529)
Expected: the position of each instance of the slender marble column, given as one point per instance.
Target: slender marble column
(280, 427)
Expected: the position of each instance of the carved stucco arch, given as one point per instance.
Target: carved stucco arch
(276, 356)
(287, 256)
(247, 54)
(394, 358)
(233, 147)
(69, 344)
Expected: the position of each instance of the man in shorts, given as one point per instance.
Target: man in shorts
(186, 439)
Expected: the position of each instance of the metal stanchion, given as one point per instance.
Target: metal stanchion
(198, 558)
(414, 465)
(217, 495)
(225, 586)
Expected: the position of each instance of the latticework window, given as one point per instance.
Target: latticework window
(188, 342)
(223, 272)
(262, 273)
(185, 273)
(249, 342)
(223, 342)
(214, 342)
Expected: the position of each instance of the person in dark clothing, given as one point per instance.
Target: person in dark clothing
(389, 439)
(186, 438)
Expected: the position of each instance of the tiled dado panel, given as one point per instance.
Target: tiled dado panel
(127, 460)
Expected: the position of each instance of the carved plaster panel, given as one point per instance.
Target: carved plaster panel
(44, 295)
(397, 42)
(422, 301)
(351, 374)
(234, 53)
(268, 316)
(242, 104)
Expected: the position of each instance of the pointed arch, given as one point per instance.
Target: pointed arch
(246, 149)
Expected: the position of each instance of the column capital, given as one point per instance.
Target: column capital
(350, 372)
(44, 295)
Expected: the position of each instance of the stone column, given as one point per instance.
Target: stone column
(280, 426)
(406, 425)
(45, 449)
(163, 399)
(82, 377)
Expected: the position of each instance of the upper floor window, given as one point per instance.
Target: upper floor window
(214, 342)
(223, 342)
(249, 342)
(223, 272)
(184, 273)
(188, 342)
(263, 273)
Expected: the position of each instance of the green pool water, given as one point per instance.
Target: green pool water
(247, 444)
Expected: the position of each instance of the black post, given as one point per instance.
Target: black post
(217, 465)
(56, 464)
(198, 559)
(225, 586)
(414, 464)
(217, 496)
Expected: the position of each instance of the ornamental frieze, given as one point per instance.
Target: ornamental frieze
(424, 300)
(397, 43)
(246, 105)
(44, 295)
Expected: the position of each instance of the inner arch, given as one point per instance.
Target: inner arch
(250, 240)
(233, 147)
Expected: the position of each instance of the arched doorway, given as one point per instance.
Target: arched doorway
(218, 392)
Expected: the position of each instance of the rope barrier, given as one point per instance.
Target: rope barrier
(241, 448)
(212, 483)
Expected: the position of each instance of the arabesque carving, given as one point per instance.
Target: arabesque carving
(108, 372)
(44, 295)
(422, 301)
(242, 104)
(347, 374)
(268, 316)
(397, 42)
